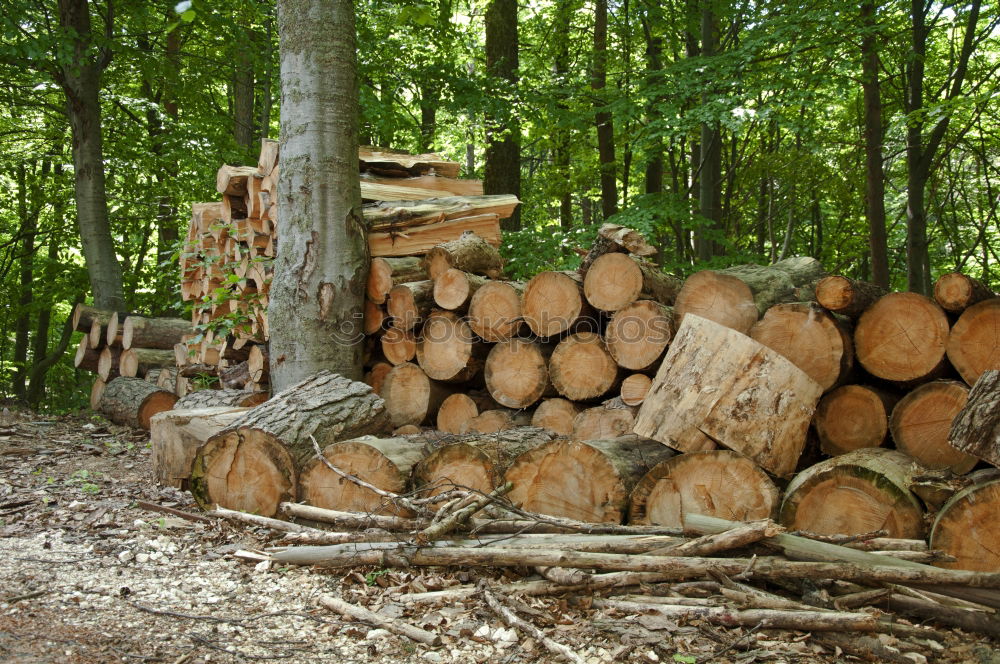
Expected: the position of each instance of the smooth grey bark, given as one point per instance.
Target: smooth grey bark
(317, 293)
(81, 84)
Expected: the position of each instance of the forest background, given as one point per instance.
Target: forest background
(865, 135)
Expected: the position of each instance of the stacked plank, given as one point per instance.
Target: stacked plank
(414, 202)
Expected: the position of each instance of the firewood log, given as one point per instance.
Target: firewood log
(601, 423)
(956, 292)
(965, 526)
(851, 417)
(165, 377)
(200, 399)
(638, 334)
(921, 421)
(410, 396)
(495, 312)
(86, 358)
(108, 363)
(453, 289)
(376, 317)
(97, 334)
(587, 481)
(258, 364)
(161, 333)
(410, 303)
(634, 389)
(448, 350)
(115, 330)
(460, 408)
(553, 303)
(614, 238)
(96, 391)
(857, 492)
(376, 375)
(252, 465)
(973, 345)
(616, 280)
(475, 461)
(811, 338)
(469, 253)
(517, 373)
(135, 362)
(556, 415)
(581, 367)
(398, 345)
(175, 436)
(902, 338)
(133, 401)
(234, 208)
(421, 239)
(384, 463)
(736, 297)
(719, 483)
(847, 297)
(385, 273)
(85, 315)
(268, 158)
(761, 404)
(232, 180)
(496, 420)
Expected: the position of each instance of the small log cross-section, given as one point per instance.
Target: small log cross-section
(385, 463)
(455, 412)
(976, 429)
(553, 303)
(638, 334)
(974, 341)
(495, 312)
(921, 420)
(388, 272)
(602, 423)
(587, 481)
(966, 527)
(517, 373)
(717, 483)
(846, 297)
(469, 253)
(616, 280)
(448, 350)
(133, 401)
(855, 493)
(717, 383)
(852, 417)
(476, 461)
(136, 362)
(581, 367)
(252, 465)
(175, 436)
(410, 303)
(955, 292)
(902, 338)
(453, 289)
(410, 396)
(556, 415)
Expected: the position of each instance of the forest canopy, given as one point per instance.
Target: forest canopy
(865, 135)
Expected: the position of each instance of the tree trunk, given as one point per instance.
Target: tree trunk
(710, 176)
(133, 401)
(81, 83)
(27, 230)
(874, 177)
(602, 116)
(502, 172)
(854, 493)
(716, 483)
(587, 481)
(852, 417)
(315, 311)
(921, 421)
(175, 436)
(902, 338)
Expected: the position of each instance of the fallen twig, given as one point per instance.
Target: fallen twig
(180, 514)
(516, 622)
(370, 617)
(262, 521)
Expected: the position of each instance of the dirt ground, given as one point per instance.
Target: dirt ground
(87, 576)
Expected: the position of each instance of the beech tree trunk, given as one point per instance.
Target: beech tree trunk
(502, 172)
(315, 311)
(874, 135)
(602, 117)
(718, 483)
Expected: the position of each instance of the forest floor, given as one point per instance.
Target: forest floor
(90, 577)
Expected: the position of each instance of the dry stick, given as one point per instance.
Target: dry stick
(389, 495)
(352, 519)
(460, 516)
(153, 507)
(372, 618)
(859, 599)
(263, 521)
(537, 588)
(734, 538)
(841, 539)
(516, 622)
(867, 648)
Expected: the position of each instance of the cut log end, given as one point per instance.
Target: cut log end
(410, 396)
(495, 310)
(955, 292)
(966, 528)
(581, 367)
(455, 413)
(638, 334)
(717, 297)
(250, 471)
(553, 302)
(634, 389)
(613, 281)
(902, 338)
(974, 341)
(850, 418)
(556, 415)
(921, 421)
(516, 373)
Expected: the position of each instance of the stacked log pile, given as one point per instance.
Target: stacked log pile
(413, 202)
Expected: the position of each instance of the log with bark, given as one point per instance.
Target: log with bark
(455, 413)
(851, 417)
(718, 483)
(760, 404)
(973, 343)
(235, 376)
(448, 350)
(398, 345)
(556, 415)
(385, 273)
(956, 292)
(475, 461)
(581, 368)
(115, 331)
(495, 312)
(813, 339)
(384, 463)
(108, 363)
(136, 362)
(976, 429)
(637, 335)
(84, 316)
(614, 238)
(175, 436)
(616, 280)
(417, 240)
(253, 464)
(902, 338)
(200, 399)
(921, 421)
(453, 289)
(847, 297)
(468, 253)
(133, 401)
(86, 358)
(553, 302)
(858, 492)
(410, 396)
(736, 297)
(410, 303)
(587, 481)
(517, 372)
(96, 391)
(601, 423)
(161, 333)
(375, 317)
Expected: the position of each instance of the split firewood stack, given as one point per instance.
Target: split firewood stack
(413, 202)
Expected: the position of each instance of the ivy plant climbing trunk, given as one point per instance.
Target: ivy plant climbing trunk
(316, 299)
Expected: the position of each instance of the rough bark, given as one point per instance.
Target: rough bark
(175, 436)
(162, 333)
(847, 297)
(469, 253)
(637, 335)
(502, 172)
(201, 399)
(133, 401)
(315, 310)
(976, 429)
